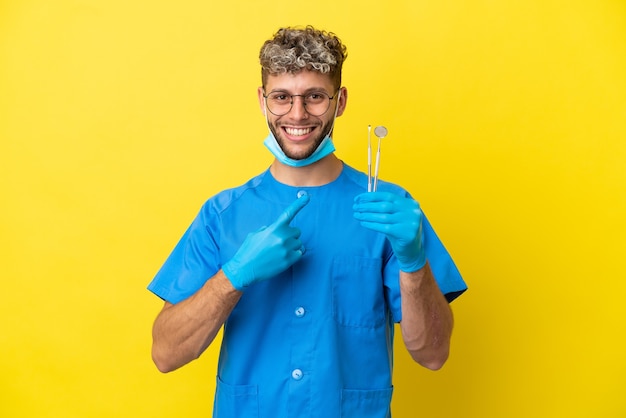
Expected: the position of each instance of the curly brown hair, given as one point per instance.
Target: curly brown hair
(292, 50)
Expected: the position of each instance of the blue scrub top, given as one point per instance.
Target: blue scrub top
(316, 340)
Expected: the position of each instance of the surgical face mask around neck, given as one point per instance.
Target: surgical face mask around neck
(325, 148)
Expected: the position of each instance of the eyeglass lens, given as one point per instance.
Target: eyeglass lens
(315, 104)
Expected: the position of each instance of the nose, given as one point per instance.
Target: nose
(298, 109)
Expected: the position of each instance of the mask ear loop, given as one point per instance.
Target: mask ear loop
(330, 133)
(267, 121)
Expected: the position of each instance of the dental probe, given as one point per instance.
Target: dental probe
(369, 158)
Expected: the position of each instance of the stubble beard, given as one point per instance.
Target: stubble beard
(303, 155)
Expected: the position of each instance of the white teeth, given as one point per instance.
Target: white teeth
(298, 131)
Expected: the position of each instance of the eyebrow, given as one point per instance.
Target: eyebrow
(309, 90)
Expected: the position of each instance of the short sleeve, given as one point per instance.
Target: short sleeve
(194, 259)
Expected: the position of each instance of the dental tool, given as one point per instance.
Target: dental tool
(369, 158)
(380, 132)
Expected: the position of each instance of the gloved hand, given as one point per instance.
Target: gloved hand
(400, 219)
(268, 251)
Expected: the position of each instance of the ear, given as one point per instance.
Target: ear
(343, 101)
(261, 100)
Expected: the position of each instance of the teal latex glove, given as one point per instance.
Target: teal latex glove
(268, 251)
(400, 219)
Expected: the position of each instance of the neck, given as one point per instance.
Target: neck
(319, 173)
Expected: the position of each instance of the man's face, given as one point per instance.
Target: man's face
(297, 132)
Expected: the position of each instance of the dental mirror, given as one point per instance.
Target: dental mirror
(380, 132)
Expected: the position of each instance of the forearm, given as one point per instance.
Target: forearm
(182, 332)
(426, 318)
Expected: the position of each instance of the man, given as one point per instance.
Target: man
(305, 269)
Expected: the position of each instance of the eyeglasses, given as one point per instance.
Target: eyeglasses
(315, 103)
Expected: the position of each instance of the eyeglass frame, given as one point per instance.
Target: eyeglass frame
(291, 96)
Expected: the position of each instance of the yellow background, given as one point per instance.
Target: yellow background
(507, 120)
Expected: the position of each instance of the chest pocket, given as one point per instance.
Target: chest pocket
(358, 293)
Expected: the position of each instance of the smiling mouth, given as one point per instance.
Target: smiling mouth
(298, 131)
